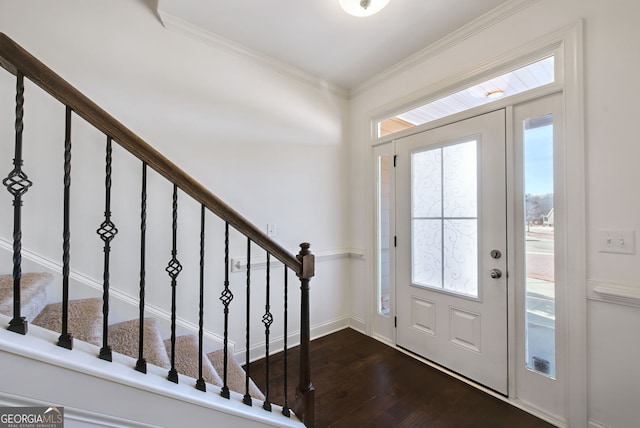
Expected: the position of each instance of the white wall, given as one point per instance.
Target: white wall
(270, 145)
(611, 92)
(242, 130)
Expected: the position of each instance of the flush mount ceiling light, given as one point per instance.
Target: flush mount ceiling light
(495, 94)
(363, 7)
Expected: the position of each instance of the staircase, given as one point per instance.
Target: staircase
(85, 325)
(85, 319)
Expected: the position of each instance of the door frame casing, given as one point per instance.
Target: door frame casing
(567, 45)
(544, 390)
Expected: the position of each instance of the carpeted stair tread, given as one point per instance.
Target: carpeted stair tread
(85, 323)
(124, 338)
(236, 376)
(186, 359)
(33, 294)
(85, 319)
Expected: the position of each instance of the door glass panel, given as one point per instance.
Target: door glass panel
(427, 252)
(539, 252)
(444, 218)
(383, 235)
(426, 191)
(461, 256)
(460, 180)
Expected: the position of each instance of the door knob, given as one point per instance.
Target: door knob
(496, 273)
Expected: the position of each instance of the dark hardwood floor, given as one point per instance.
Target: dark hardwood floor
(361, 382)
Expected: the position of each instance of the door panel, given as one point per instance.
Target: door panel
(451, 234)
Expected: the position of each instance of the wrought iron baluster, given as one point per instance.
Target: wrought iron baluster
(17, 183)
(173, 269)
(247, 397)
(107, 232)
(285, 407)
(267, 320)
(141, 364)
(66, 339)
(200, 384)
(226, 298)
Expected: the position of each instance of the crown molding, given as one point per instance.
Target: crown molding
(180, 26)
(465, 32)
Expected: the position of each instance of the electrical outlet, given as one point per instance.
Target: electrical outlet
(617, 241)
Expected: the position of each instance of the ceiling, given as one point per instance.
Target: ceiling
(319, 39)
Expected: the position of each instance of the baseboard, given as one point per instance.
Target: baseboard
(328, 327)
(383, 339)
(358, 324)
(276, 344)
(535, 411)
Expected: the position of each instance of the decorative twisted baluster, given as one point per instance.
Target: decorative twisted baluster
(247, 397)
(226, 298)
(285, 407)
(107, 232)
(267, 320)
(173, 269)
(66, 340)
(141, 364)
(200, 384)
(17, 183)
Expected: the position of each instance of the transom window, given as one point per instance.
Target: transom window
(523, 79)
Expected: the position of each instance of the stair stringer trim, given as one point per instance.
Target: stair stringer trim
(78, 416)
(55, 268)
(257, 350)
(79, 381)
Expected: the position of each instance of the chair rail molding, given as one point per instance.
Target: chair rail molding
(611, 292)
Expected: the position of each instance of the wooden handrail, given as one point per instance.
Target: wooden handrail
(16, 60)
(21, 63)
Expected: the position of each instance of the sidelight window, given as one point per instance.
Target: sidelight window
(539, 232)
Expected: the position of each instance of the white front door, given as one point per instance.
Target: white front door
(451, 247)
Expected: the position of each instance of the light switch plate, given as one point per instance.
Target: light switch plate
(617, 241)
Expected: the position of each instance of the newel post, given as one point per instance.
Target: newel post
(305, 393)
